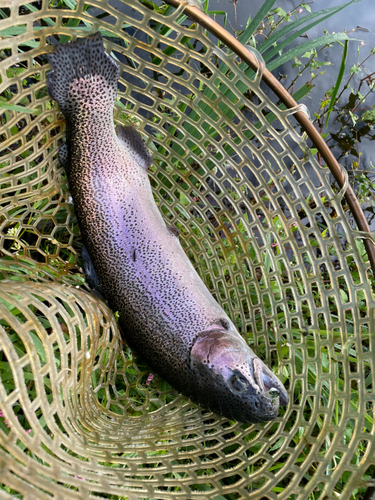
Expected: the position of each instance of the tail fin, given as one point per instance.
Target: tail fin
(82, 72)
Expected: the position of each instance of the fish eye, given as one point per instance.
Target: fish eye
(238, 383)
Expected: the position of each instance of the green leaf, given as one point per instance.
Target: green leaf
(280, 12)
(361, 295)
(338, 81)
(304, 47)
(15, 107)
(39, 347)
(353, 116)
(344, 295)
(362, 249)
(16, 30)
(369, 115)
(278, 443)
(354, 69)
(258, 18)
(306, 6)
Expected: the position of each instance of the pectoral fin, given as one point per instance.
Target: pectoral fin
(88, 268)
(64, 157)
(174, 231)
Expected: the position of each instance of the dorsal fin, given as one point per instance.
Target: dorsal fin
(131, 140)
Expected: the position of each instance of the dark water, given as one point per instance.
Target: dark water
(358, 15)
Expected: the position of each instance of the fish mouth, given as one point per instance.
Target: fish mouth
(259, 380)
(229, 378)
(268, 384)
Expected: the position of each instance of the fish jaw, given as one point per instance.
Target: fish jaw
(232, 381)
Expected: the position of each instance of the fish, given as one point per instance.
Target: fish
(135, 260)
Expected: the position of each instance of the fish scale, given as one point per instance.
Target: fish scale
(165, 311)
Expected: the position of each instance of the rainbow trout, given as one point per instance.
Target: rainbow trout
(136, 260)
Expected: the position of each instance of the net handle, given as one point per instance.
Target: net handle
(232, 43)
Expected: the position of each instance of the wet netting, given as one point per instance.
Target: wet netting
(264, 226)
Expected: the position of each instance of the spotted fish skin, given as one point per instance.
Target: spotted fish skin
(165, 311)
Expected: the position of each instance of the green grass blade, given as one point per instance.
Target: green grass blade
(306, 47)
(339, 80)
(275, 37)
(32, 8)
(15, 107)
(14, 31)
(219, 13)
(71, 4)
(20, 30)
(258, 18)
(297, 96)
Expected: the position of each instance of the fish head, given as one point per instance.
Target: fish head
(231, 380)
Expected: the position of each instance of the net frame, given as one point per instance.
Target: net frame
(255, 259)
(303, 119)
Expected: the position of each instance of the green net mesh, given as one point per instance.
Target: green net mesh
(263, 225)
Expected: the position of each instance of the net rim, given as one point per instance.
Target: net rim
(196, 15)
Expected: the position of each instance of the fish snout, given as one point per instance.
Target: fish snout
(269, 384)
(231, 380)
